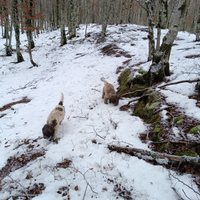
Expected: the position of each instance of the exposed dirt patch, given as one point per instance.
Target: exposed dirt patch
(26, 193)
(18, 161)
(120, 190)
(8, 106)
(65, 164)
(14, 163)
(64, 191)
(113, 49)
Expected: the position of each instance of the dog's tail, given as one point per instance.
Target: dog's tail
(61, 99)
(104, 80)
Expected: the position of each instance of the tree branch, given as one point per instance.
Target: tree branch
(185, 81)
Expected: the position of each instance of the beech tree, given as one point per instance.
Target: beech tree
(62, 24)
(28, 7)
(15, 18)
(105, 13)
(73, 19)
(7, 26)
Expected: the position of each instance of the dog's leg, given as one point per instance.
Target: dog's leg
(103, 94)
(105, 100)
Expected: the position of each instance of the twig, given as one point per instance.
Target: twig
(79, 117)
(97, 133)
(85, 191)
(154, 87)
(177, 193)
(84, 178)
(141, 5)
(156, 111)
(184, 183)
(137, 99)
(135, 91)
(185, 194)
(96, 90)
(27, 195)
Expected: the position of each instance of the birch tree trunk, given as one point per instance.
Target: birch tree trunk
(16, 28)
(160, 66)
(7, 28)
(62, 24)
(172, 33)
(162, 20)
(150, 6)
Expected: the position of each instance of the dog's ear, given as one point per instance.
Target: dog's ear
(54, 122)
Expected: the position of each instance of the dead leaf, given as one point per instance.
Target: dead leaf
(76, 188)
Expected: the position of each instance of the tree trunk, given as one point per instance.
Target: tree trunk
(150, 6)
(183, 164)
(28, 12)
(172, 33)
(7, 28)
(57, 14)
(105, 16)
(72, 19)
(197, 31)
(87, 15)
(162, 20)
(62, 25)
(16, 28)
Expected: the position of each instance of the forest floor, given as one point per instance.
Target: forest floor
(80, 163)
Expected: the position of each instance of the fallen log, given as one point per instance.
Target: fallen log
(158, 158)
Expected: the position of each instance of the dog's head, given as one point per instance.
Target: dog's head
(48, 131)
(114, 100)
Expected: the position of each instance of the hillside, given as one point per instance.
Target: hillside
(78, 164)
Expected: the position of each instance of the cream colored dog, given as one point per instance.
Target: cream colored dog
(109, 93)
(54, 120)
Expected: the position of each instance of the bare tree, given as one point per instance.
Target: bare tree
(105, 13)
(62, 24)
(16, 22)
(8, 27)
(28, 8)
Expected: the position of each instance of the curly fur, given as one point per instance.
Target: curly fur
(109, 93)
(54, 120)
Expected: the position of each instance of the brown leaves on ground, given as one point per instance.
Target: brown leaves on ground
(8, 106)
(65, 164)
